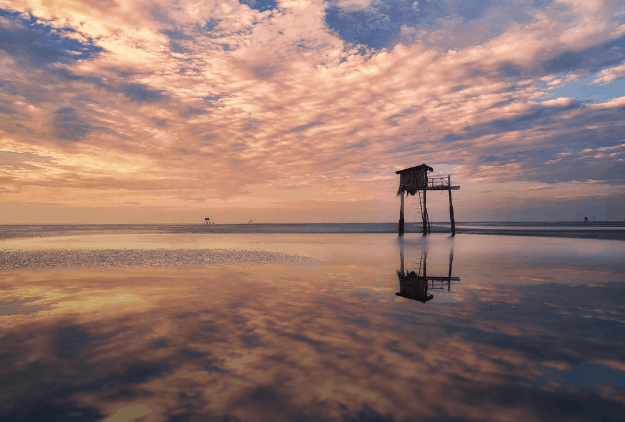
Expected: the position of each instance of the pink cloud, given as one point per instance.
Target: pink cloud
(221, 98)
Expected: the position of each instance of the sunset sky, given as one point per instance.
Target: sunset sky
(159, 111)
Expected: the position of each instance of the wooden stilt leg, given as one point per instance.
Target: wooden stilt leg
(401, 216)
(451, 210)
(424, 212)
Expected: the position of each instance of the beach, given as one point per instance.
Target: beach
(161, 326)
(312, 211)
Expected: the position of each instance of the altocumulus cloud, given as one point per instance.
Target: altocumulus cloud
(261, 99)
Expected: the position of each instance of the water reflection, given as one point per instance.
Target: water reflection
(325, 343)
(415, 283)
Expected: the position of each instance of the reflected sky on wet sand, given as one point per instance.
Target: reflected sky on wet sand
(534, 329)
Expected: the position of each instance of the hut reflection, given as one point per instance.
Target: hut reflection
(414, 284)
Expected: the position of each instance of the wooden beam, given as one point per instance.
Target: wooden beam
(442, 188)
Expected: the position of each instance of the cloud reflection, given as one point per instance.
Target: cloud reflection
(270, 343)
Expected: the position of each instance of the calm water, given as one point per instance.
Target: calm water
(570, 229)
(311, 329)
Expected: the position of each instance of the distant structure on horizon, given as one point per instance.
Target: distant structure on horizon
(207, 220)
(414, 180)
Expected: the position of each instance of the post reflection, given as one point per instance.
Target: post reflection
(415, 283)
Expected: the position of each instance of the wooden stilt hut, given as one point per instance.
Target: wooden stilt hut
(415, 181)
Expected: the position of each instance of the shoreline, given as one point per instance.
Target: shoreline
(569, 230)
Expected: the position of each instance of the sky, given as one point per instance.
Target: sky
(301, 111)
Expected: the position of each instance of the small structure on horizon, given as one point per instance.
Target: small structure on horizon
(207, 220)
(414, 180)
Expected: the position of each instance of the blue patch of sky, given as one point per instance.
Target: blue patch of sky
(191, 111)
(379, 25)
(211, 24)
(34, 40)
(69, 125)
(174, 35)
(260, 5)
(609, 142)
(586, 91)
(304, 127)
(537, 115)
(588, 374)
(142, 93)
(539, 4)
(213, 100)
(533, 115)
(175, 38)
(591, 59)
(452, 137)
(473, 9)
(374, 27)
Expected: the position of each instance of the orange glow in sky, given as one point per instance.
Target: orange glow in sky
(301, 111)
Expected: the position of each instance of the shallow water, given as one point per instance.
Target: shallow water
(527, 329)
(602, 230)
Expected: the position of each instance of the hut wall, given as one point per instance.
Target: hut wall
(412, 182)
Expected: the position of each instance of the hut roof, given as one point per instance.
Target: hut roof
(416, 168)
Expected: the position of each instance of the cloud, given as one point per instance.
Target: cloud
(611, 74)
(224, 96)
(22, 160)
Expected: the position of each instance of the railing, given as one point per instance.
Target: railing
(438, 182)
(414, 183)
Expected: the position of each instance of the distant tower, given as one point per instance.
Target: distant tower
(207, 220)
(585, 219)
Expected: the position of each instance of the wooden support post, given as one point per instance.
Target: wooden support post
(401, 215)
(424, 211)
(451, 210)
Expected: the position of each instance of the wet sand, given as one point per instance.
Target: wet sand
(532, 330)
(34, 259)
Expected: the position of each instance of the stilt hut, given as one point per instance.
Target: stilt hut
(415, 181)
